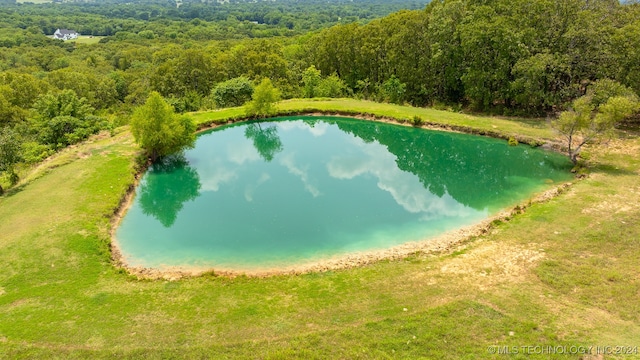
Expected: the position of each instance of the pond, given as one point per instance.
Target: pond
(294, 190)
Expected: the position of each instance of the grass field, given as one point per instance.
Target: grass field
(85, 39)
(565, 273)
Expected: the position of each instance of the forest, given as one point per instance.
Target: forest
(525, 57)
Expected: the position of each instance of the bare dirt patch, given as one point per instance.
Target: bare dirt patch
(493, 263)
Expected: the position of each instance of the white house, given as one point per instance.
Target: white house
(64, 34)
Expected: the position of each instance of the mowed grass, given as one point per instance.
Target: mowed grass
(534, 128)
(85, 39)
(565, 273)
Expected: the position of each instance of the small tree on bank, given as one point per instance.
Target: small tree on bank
(586, 123)
(263, 101)
(159, 131)
(311, 79)
(393, 90)
(10, 154)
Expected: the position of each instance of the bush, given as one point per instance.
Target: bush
(191, 101)
(34, 152)
(393, 90)
(234, 92)
(62, 131)
(64, 119)
(331, 87)
(513, 141)
(417, 121)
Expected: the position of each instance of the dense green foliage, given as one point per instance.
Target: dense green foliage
(193, 19)
(63, 119)
(501, 56)
(514, 57)
(158, 130)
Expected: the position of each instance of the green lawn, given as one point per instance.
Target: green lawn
(85, 39)
(563, 273)
(526, 128)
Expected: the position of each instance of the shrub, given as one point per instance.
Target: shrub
(393, 90)
(234, 92)
(34, 152)
(331, 87)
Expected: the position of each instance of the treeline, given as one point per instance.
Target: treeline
(507, 56)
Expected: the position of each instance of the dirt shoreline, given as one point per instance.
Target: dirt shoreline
(443, 243)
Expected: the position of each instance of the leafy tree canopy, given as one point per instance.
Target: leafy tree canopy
(10, 153)
(590, 119)
(234, 92)
(159, 131)
(263, 101)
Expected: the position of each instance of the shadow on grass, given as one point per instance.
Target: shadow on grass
(611, 170)
(13, 190)
(534, 122)
(530, 122)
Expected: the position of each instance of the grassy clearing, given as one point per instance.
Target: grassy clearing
(85, 39)
(563, 273)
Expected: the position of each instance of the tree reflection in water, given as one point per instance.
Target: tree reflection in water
(168, 184)
(265, 140)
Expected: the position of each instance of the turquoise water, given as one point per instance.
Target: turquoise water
(293, 190)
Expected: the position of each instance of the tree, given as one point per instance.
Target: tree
(490, 46)
(8, 112)
(310, 79)
(62, 103)
(64, 118)
(541, 82)
(263, 100)
(234, 92)
(10, 154)
(159, 131)
(393, 90)
(586, 123)
(331, 86)
(604, 89)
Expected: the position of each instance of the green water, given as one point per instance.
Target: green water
(293, 190)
